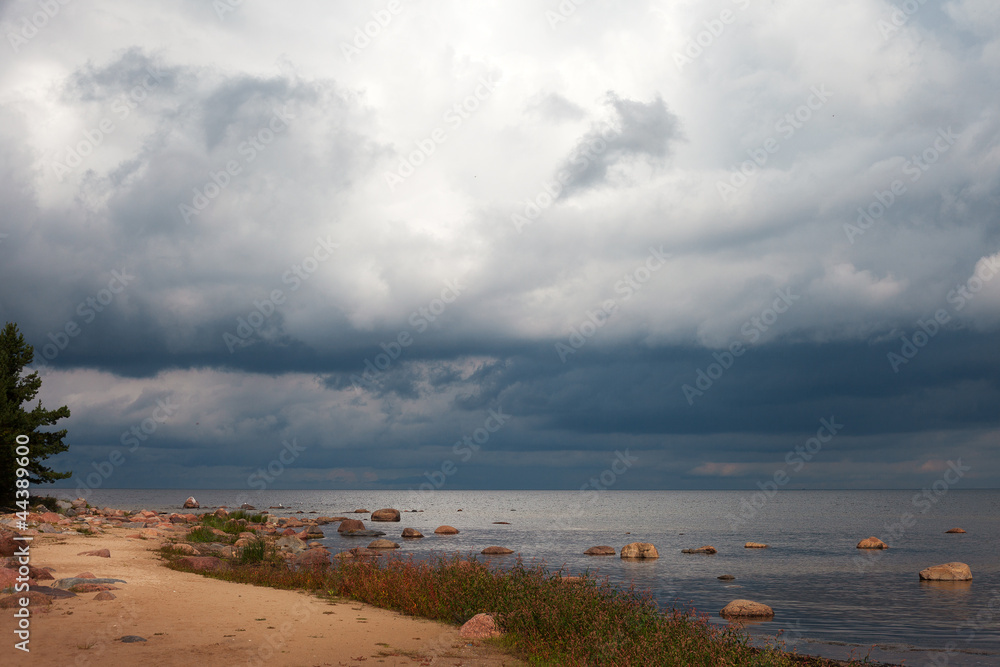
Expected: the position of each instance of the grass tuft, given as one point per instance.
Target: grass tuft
(202, 534)
(259, 551)
(243, 514)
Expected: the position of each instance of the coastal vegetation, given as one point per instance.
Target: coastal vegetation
(546, 618)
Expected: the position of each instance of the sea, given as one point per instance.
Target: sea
(829, 598)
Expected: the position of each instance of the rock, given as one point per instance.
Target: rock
(382, 544)
(221, 513)
(132, 639)
(8, 545)
(291, 543)
(92, 588)
(412, 532)
(755, 545)
(954, 530)
(504, 523)
(201, 563)
(86, 575)
(726, 577)
(707, 549)
(68, 582)
(385, 515)
(35, 599)
(357, 552)
(872, 543)
(312, 558)
(947, 572)
(639, 550)
(100, 553)
(496, 551)
(600, 551)
(213, 548)
(54, 593)
(361, 511)
(8, 577)
(104, 595)
(362, 533)
(79, 503)
(191, 503)
(50, 517)
(350, 524)
(480, 626)
(247, 506)
(185, 548)
(446, 530)
(746, 609)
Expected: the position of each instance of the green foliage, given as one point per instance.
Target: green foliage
(50, 503)
(15, 391)
(257, 551)
(212, 521)
(232, 525)
(252, 518)
(202, 534)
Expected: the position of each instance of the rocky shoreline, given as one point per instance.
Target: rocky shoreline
(99, 593)
(212, 540)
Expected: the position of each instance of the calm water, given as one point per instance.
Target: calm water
(829, 598)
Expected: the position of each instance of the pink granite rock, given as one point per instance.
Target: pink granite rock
(480, 626)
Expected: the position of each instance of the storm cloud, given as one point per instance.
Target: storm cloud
(365, 228)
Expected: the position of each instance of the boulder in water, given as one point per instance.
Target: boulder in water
(639, 550)
(746, 609)
(872, 543)
(946, 572)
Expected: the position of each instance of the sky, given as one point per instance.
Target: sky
(503, 245)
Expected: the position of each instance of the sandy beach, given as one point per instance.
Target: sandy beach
(190, 619)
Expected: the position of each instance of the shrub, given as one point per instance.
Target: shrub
(50, 503)
(252, 518)
(258, 550)
(202, 534)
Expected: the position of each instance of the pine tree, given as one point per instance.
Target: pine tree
(15, 392)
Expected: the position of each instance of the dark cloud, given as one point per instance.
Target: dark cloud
(241, 203)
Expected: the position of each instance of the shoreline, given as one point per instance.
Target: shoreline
(189, 619)
(126, 541)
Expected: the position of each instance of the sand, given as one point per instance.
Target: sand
(188, 619)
